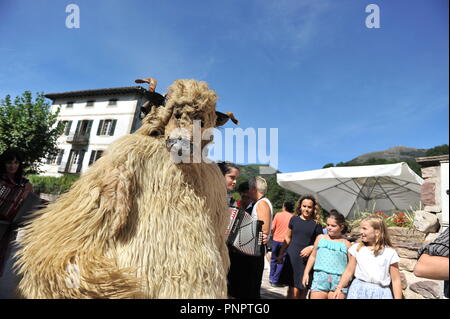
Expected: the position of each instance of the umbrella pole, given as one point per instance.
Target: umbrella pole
(387, 196)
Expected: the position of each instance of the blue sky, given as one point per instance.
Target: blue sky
(334, 88)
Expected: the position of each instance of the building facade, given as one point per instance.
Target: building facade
(92, 119)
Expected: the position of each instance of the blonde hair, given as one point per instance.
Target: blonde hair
(317, 209)
(259, 183)
(377, 223)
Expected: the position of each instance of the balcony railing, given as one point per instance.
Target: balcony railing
(78, 139)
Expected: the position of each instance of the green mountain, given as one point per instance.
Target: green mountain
(398, 153)
(395, 155)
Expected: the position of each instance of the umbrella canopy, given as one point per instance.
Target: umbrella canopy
(358, 188)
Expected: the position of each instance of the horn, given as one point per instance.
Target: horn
(222, 118)
(151, 83)
(233, 118)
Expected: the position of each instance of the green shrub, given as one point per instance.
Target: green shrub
(52, 185)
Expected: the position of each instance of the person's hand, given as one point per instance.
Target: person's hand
(265, 238)
(335, 294)
(305, 279)
(280, 259)
(306, 251)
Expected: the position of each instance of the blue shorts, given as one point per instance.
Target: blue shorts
(323, 281)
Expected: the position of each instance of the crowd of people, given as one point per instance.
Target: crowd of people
(308, 259)
(319, 262)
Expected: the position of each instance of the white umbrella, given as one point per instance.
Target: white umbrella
(358, 188)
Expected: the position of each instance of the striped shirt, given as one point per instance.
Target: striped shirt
(438, 247)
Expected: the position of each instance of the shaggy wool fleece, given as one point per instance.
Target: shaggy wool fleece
(135, 225)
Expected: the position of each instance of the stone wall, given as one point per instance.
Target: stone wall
(407, 242)
(431, 194)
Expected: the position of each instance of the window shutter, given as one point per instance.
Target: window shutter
(98, 155)
(68, 126)
(81, 157)
(79, 162)
(77, 130)
(99, 127)
(91, 159)
(113, 127)
(60, 156)
(89, 126)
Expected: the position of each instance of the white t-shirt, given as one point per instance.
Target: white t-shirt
(255, 215)
(371, 268)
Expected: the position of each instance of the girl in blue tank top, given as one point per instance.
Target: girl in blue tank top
(329, 259)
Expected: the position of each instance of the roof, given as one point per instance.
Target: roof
(431, 159)
(96, 92)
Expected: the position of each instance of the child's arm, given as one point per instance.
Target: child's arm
(396, 281)
(346, 276)
(311, 261)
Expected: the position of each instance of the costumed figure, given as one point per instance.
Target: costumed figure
(137, 224)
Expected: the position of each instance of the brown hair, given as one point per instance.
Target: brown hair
(340, 220)
(377, 223)
(316, 213)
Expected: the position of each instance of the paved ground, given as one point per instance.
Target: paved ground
(267, 291)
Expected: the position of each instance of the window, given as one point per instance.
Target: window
(69, 104)
(67, 126)
(60, 157)
(106, 127)
(51, 159)
(55, 159)
(112, 102)
(75, 161)
(84, 128)
(95, 155)
(90, 103)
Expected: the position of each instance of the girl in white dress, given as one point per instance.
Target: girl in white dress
(374, 263)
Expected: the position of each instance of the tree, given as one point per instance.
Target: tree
(437, 150)
(29, 126)
(275, 193)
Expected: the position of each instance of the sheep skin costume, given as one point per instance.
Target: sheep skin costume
(136, 224)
